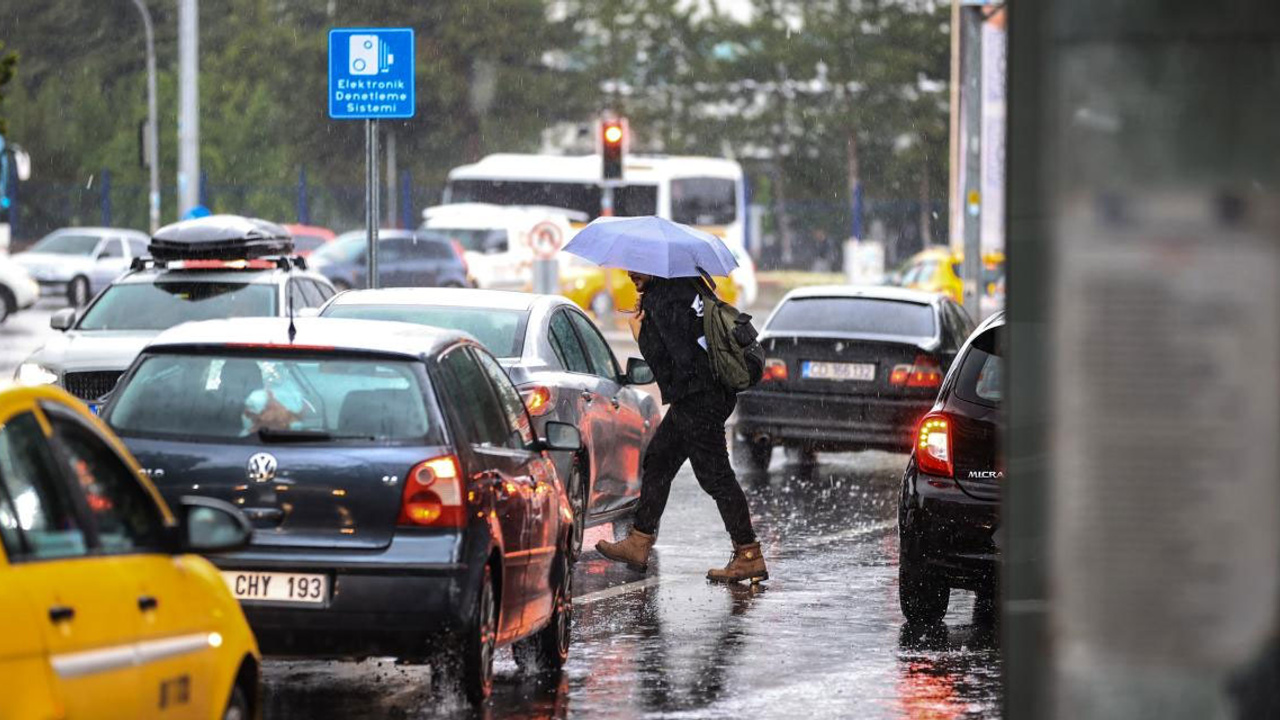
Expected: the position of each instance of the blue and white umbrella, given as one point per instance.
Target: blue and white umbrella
(653, 246)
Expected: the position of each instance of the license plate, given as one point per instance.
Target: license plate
(298, 588)
(838, 371)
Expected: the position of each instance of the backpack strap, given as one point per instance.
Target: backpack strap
(706, 286)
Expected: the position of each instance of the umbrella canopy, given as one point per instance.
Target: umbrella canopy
(653, 246)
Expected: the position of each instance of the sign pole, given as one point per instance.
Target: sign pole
(546, 239)
(371, 200)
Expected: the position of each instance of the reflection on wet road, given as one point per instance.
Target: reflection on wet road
(823, 638)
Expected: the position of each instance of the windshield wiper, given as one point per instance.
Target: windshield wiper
(272, 435)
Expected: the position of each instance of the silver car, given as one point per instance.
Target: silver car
(565, 371)
(97, 345)
(77, 262)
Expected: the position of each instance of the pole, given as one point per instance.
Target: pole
(392, 220)
(955, 198)
(188, 105)
(606, 201)
(971, 120)
(153, 128)
(371, 217)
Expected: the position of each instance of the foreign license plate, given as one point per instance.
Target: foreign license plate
(838, 371)
(298, 588)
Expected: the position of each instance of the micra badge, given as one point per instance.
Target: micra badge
(986, 475)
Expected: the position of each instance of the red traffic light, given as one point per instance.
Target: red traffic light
(612, 133)
(613, 141)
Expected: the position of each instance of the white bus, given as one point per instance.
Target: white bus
(708, 193)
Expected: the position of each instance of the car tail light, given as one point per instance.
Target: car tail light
(433, 495)
(925, 372)
(539, 399)
(774, 369)
(933, 445)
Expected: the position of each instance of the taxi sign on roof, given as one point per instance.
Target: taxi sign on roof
(371, 73)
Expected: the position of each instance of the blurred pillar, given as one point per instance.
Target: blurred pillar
(407, 218)
(104, 197)
(392, 216)
(304, 209)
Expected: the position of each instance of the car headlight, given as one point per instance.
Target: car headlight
(35, 374)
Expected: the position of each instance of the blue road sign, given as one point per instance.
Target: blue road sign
(371, 73)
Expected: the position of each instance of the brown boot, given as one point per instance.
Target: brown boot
(746, 564)
(632, 550)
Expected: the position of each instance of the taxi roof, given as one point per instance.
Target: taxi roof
(456, 297)
(375, 336)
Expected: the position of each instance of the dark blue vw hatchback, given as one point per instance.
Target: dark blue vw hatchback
(402, 504)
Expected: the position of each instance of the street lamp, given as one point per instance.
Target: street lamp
(153, 135)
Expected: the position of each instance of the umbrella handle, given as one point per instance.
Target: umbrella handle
(706, 278)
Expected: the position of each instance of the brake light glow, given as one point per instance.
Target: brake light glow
(925, 372)
(774, 369)
(538, 399)
(432, 495)
(224, 265)
(933, 445)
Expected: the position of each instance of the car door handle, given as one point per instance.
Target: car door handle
(148, 602)
(615, 402)
(267, 514)
(61, 613)
(586, 395)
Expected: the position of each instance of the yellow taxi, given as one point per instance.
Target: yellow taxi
(938, 269)
(600, 291)
(104, 610)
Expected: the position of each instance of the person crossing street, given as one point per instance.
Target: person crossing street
(668, 326)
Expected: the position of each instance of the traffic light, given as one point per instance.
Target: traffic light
(613, 147)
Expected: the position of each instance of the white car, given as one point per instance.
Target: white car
(18, 290)
(76, 263)
(494, 238)
(744, 276)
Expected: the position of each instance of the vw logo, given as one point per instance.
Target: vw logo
(262, 467)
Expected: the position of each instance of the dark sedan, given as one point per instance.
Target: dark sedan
(949, 511)
(402, 503)
(406, 258)
(563, 368)
(847, 368)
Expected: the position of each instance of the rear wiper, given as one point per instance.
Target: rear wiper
(272, 435)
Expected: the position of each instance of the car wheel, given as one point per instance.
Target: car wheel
(237, 705)
(474, 663)
(751, 455)
(78, 291)
(579, 493)
(922, 594)
(8, 304)
(547, 651)
(602, 305)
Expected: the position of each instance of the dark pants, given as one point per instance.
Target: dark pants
(693, 430)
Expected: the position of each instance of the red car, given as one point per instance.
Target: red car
(308, 237)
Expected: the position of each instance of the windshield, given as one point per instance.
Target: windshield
(485, 241)
(703, 201)
(67, 244)
(307, 243)
(628, 201)
(501, 331)
(871, 316)
(161, 305)
(269, 398)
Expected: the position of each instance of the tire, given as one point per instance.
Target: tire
(750, 455)
(78, 291)
(474, 663)
(546, 651)
(579, 496)
(922, 594)
(237, 705)
(8, 304)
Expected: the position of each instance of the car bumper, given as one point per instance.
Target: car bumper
(830, 422)
(955, 533)
(378, 604)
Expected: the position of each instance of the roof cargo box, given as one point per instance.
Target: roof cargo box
(220, 237)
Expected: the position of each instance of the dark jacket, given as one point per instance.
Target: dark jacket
(669, 339)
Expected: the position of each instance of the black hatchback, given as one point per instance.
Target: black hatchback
(402, 504)
(949, 512)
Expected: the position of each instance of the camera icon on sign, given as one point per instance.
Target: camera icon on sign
(368, 55)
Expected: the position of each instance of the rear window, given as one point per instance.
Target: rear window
(501, 331)
(307, 243)
(853, 315)
(161, 305)
(67, 244)
(229, 398)
(981, 378)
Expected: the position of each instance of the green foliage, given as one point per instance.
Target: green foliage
(8, 67)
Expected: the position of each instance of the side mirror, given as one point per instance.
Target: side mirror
(638, 372)
(63, 319)
(209, 525)
(562, 436)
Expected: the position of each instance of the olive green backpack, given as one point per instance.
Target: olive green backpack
(737, 360)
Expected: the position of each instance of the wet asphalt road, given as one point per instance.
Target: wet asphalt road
(823, 638)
